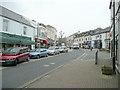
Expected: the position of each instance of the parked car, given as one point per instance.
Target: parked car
(14, 55)
(37, 53)
(63, 49)
(1, 51)
(53, 50)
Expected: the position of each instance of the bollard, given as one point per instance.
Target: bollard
(96, 57)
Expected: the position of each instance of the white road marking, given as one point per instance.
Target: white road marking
(46, 65)
(52, 63)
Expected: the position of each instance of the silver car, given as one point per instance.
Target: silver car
(53, 50)
(63, 49)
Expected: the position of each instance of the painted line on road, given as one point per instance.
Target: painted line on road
(79, 57)
(46, 65)
(52, 63)
(84, 57)
(27, 84)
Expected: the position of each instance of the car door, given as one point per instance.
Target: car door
(25, 54)
(57, 50)
(44, 52)
(20, 55)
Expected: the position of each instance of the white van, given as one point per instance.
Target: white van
(76, 46)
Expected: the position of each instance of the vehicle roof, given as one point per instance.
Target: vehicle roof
(18, 47)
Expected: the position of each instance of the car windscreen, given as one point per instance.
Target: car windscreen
(11, 50)
(38, 50)
(51, 48)
(63, 47)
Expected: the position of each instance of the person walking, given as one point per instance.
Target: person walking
(91, 48)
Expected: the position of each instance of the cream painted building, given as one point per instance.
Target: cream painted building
(51, 32)
(70, 40)
(84, 39)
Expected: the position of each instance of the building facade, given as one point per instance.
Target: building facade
(115, 34)
(18, 31)
(51, 34)
(97, 38)
(14, 30)
(70, 40)
(84, 39)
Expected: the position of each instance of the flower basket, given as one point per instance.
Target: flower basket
(107, 70)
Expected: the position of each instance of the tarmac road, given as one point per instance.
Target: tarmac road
(16, 76)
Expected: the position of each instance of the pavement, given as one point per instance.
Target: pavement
(79, 73)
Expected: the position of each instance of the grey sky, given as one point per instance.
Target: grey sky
(68, 16)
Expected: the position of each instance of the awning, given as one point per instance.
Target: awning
(27, 42)
(51, 41)
(16, 41)
(10, 40)
(46, 42)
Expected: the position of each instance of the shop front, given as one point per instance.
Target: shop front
(87, 44)
(12, 40)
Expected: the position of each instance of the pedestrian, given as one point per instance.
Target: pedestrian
(91, 48)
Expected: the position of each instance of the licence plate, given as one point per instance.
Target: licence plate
(2, 61)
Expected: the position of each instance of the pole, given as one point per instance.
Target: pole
(113, 58)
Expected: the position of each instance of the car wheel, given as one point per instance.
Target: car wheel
(28, 58)
(37, 56)
(15, 62)
(46, 55)
(54, 53)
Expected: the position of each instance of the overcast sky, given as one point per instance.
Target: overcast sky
(69, 16)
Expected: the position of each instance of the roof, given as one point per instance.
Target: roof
(93, 32)
(4, 12)
(18, 47)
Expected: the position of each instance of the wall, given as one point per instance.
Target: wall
(17, 28)
(1, 23)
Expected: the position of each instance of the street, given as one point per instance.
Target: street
(17, 76)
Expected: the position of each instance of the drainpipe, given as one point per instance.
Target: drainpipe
(113, 58)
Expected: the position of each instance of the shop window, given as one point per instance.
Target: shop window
(5, 25)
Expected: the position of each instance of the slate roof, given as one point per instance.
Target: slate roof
(93, 32)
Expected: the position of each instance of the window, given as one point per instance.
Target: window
(24, 30)
(5, 25)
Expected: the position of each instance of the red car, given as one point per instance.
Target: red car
(14, 55)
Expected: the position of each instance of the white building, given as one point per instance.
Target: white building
(98, 41)
(15, 30)
(100, 38)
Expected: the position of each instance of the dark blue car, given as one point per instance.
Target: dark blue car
(37, 53)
